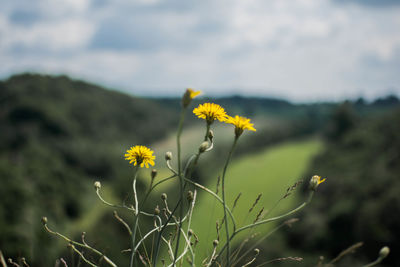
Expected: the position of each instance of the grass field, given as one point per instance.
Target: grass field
(270, 173)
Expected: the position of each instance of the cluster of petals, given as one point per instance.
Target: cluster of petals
(241, 123)
(210, 112)
(141, 155)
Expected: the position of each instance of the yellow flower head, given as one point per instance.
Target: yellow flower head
(188, 96)
(140, 155)
(210, 112)
(315, 181)
(241, 124)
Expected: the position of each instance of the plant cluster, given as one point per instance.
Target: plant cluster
(171, 231)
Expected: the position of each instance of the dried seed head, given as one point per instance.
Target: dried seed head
(203, 147)
(168, 155)
(97, 185)
(164, 196)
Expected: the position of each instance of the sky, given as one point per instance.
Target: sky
(301, 50)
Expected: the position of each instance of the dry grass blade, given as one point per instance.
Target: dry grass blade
(347, 251)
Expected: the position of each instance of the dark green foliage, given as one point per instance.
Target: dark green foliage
(57, 136)
(361, 199)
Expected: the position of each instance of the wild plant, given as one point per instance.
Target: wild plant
(174, 241)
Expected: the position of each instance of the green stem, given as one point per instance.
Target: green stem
(267, 221)
(137, 213)
(178, 144)
(224, 201)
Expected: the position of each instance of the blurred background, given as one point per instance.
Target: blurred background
(83, 80)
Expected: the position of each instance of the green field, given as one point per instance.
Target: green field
(269, 172)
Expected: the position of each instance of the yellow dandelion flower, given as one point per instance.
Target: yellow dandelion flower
(188, 96)
(315, 181)
(140, 155)
(210, 112)
(241, 124)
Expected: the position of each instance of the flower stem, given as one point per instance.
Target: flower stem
(137, 213)
(224, 201)
(178, 145)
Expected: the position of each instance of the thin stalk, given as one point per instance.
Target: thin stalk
(137, 213)
(178, 145)
(80, 245)
(266, 221)
(224, 201)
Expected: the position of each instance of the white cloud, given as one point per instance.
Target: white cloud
(300, 49)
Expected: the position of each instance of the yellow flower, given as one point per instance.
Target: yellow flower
(241, 124)
(315, 181)
(188, 96)
(210, 112)
(140, 155)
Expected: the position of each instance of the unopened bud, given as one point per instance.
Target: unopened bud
(188, 96)
(210, 135)
(157, 210)
(153, 174)
(190, 233)
(190, 196)
(215, 243)
(384, 252)
(168, 155)
(256, 251)
(315, 181)
(97, 185)
(164, 196)
(44, 220)
(203, 147)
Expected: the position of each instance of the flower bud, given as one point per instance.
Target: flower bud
(190, 232)
(97, 185)
(190, 196)
(384, 252)
(153, 174)
(215, 243)
(203, 147)
(210, 135)
(168, 155)
(256, 251)
(188, 96)
(157, 210)
(164, 196)
(44, 220)
(315, 181)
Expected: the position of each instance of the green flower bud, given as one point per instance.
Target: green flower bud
(97, 185)
(384, 252)
(315, 181)
(168, 155)
(210, 135)
(44, 220)
(190, 196)
(203, 147)
(153, 174)
(157, 210)
(164, 196)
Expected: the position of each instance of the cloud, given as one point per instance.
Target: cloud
(297, 49)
